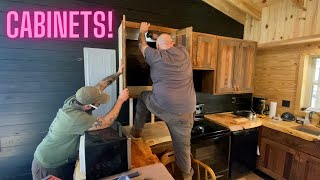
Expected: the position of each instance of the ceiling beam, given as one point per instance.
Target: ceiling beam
(228, 9)
(300, 4)
(247, 7)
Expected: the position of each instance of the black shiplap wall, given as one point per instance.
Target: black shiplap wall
(37, 75)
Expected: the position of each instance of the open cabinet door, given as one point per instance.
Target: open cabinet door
(183, 37)
(122, 53)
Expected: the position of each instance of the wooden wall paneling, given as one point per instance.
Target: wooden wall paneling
(274, 17)
(299, 25)
(290, 18)
(277, 73)
(280, 21)
(248, 26)
(318, 19)
(300, 4)
(286, 20)
(252, 29)
(275, 83)
(310, 26)
(256, 30)
(264, 25)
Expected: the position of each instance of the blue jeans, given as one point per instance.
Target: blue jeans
(179, 126)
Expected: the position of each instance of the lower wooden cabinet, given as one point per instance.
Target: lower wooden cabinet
(282, 162)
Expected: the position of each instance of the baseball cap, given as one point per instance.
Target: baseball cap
(91, 95)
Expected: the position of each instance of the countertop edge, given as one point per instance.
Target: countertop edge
(262, 122)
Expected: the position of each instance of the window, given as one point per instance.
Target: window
(315, 98)
(308, 87)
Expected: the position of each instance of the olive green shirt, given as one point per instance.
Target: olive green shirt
(61, 144)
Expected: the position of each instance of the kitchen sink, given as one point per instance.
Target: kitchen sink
(308, 129)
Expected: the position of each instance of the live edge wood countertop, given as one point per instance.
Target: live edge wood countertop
(228, 120)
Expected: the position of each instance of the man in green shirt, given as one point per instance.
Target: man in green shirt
(58, 151)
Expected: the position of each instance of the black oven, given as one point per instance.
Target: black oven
(210, 143)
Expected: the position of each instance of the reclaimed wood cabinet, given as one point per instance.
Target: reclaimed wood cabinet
(285, 157)
(227, 54)
(221, 65)
(244, 67)
(136, 73)
(204, 51)
(235, 66)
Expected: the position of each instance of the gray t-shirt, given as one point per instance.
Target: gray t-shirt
(171, 73)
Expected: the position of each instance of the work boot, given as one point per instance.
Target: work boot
(136, 134)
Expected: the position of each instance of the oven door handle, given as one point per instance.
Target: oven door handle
(214, 136)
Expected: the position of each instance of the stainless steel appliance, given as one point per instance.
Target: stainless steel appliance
(210, 143)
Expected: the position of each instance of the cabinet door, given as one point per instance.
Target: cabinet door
(276, 160)
(183, 37)
(98, 64)
(122, 53)
(244, 68)
(227, 53)
(309, 167)
(206, 53)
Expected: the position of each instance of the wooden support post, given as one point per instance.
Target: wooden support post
(152, 118)
(131, 112)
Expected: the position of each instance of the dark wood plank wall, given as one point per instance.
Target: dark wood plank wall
(37, 75)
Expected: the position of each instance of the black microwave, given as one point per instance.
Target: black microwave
(107, 152)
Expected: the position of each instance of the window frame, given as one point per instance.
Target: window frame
(305, 71)
(314, 82)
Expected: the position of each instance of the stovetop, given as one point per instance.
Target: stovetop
(203, 127)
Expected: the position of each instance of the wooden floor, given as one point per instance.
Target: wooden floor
(239, 172)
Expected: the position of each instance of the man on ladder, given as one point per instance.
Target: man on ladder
(173, 97)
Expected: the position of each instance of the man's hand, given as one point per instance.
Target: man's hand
(124, 95)
(144, 27)
(111, 116)
(120, 70)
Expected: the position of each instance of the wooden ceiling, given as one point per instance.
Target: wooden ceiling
(239, 9)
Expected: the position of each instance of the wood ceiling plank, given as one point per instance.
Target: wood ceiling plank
(247, 7)
(228, 9)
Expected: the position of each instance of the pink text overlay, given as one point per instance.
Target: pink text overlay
(59, 24)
